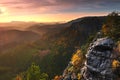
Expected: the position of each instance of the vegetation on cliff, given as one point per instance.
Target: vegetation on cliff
(110, 28)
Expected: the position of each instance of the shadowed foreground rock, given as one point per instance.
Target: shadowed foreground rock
(99, 58)
(98, 65)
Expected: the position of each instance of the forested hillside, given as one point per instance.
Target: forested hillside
(110, 28)
(50, 50)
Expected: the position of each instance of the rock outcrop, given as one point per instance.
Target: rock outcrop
(98, 64)
(99, 58)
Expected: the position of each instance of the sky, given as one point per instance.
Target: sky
(54, 10)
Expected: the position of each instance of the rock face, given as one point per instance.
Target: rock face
(99, 58)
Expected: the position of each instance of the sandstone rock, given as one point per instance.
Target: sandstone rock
(98, 65)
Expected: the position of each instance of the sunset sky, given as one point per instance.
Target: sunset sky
(54, 10)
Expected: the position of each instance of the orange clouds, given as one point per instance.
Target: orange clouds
(54, 10)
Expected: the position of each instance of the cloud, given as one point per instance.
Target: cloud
(74, 5)
(0, 11)
(60, 6)
(37, 3)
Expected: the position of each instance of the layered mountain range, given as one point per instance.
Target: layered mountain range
(19, 48)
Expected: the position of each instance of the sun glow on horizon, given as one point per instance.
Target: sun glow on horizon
(9, 15)
(46, 17)
(3, 9)
(53, 10)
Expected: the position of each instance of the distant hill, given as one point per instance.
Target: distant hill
(81, 28)
(47, 28)
(19, 25)
(5, 28)
(12, 37)
(55, 43)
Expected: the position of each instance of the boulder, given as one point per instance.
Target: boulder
(99, 58)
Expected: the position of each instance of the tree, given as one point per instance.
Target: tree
(18, 77)
(33, 73)
(77, 58)
(105, 29)
(111, 27)
(58, 78)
